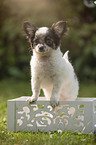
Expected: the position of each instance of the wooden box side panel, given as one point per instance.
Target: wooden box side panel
(11, 115)
(94, 116)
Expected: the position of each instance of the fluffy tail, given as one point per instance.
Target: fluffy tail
(66, 55)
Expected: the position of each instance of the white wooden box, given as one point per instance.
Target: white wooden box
(77, 116)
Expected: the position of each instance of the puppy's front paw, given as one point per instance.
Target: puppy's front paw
(54, 102)
(31, 99)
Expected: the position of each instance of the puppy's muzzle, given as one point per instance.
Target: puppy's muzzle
(41, 49)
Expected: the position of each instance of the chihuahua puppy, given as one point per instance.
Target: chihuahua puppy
(50, 70)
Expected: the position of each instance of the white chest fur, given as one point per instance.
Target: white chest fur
(48, 68)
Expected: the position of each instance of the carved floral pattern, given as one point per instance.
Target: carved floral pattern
(43, 117)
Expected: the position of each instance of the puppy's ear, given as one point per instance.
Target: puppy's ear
(29, 29)
(59, 28)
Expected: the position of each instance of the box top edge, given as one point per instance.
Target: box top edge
(23, 98)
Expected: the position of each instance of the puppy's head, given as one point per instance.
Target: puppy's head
(44, 39)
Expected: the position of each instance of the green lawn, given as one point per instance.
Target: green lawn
(10, 88)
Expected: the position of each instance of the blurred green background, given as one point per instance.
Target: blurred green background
(80, 39)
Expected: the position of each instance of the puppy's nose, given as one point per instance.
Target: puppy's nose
(41, 48)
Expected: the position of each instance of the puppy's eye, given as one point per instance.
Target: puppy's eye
(49, 42)
(36, 41)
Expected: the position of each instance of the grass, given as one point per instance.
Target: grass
(9, 89)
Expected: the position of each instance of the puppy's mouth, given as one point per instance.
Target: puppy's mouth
(42, 51)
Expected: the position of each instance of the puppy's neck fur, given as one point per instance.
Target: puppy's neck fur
(45, 57)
